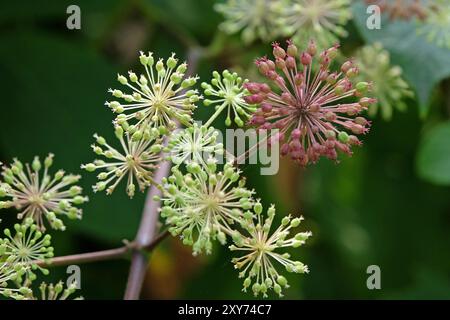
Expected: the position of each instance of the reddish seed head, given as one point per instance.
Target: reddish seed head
(357, 128)
(258, 120)
(280, 82)
(272, 75)
(255, 98)
(305, 58)
(323, 75)
(296, 134)
(298, 79)
(284, 150)
(352, 72)
(330, 116)
(346, 66)
(353, 140)
(262, 65)
(315, 107)
(332, 78)
(290, 62)
(365, 102)
(310, 112)
(264, 88)
(278, 52)
(280, 63)
(312, 49)
(362, 121)
(287, 98)
(271, 64)
(266, 108)
(252, 87)
(291, 49)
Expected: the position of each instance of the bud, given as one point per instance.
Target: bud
(305, 58)
(312, 49)
(278, 52)
(291, 49)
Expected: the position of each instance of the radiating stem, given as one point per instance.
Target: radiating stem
(216, 114)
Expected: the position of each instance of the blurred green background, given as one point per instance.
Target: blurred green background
(388, 205)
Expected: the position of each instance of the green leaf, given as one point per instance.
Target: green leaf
(433, 158)
(424, 64)
(53, 101)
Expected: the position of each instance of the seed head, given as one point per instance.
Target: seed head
(227, 91)
(158, 98)
(10, 275)
(310, 105)
(323, 20)
(27, 246)
(137, 161)
(436, 27)
(194, 144)
(256, 18)
(387, 82)
(38, 195)
(204, 204)
(260, 252)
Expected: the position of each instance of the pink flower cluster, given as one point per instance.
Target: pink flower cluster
(312, 106)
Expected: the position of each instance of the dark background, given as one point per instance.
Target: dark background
(387, 205)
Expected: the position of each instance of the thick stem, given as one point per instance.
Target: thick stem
(145, 234)
(149, 220)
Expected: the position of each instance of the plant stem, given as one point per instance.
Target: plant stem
(87, 257)
(145, 234)
(149, 220)
(216, 114)
(103, 255)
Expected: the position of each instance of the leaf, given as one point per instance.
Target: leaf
(424, 64)
(433, 158)
(54, 91)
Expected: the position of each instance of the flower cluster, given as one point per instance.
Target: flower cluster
(159, 98)
(26, 247)
(204, 204)
(227, 91)
(36, 196)
(40, 196)
(137, 161)
(193, 144)
(322, 20)
(388, 84)
(259, 252)
(436, 28)
(257, 18)
(310, 103)
(10, 273)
